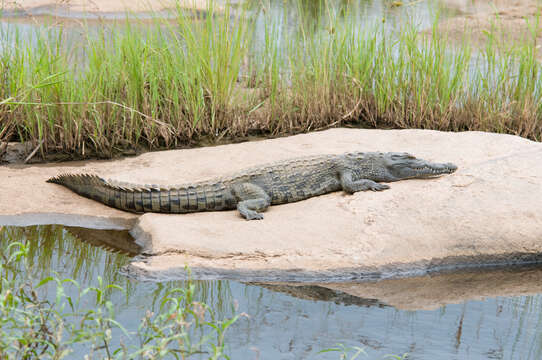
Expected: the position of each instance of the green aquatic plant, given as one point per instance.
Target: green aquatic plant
(345, 352)
(353, 352)
(396, 357)
(48, 316)
(46, 249)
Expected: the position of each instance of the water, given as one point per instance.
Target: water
(312, 10)
(316, 15)
(471, 315)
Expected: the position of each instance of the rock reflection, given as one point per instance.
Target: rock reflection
(320, 293)
(423, 293)
(58, 248)
(119, 241)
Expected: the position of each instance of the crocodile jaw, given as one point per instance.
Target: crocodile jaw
(431, 169)
(405, 166)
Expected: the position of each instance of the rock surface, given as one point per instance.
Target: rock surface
(488, 212)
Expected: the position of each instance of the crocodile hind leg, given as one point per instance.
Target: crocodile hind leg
(251, 200)
(351, 186)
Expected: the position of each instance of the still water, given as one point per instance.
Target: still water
(471, 315)
(288, 16)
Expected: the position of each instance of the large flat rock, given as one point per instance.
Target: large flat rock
(488, 212)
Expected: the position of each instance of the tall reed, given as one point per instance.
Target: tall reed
(174, 83)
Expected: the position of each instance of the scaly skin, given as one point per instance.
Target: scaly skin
(253, 190)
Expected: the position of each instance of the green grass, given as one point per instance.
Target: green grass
(176, 83)
(44, 315)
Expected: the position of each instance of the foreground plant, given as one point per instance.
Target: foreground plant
(353, 352)
(345, 352)
(35, 325)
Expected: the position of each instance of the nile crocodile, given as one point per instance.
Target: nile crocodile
(253, 190)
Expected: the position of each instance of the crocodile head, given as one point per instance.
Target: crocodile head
(401, 166)
(392, 166)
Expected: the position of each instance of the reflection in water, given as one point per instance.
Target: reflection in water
(320, 293)
(78, 253)
(53, 248)
(289, 321)
(428, 292)
(501, 328)
(112, 240)
(315, 15)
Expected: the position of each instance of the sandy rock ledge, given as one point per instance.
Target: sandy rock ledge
(487, 213)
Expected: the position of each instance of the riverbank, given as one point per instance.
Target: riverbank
(127, 89)
(500, 24)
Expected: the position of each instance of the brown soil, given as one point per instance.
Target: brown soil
(508, 22)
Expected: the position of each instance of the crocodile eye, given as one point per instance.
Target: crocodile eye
(355, 155)
(402, 156)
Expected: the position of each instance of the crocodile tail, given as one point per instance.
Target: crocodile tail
(122, 196)
(74, 180)
(147, 198)
(90, 186)
(83, 184)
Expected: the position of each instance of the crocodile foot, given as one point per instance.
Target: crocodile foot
(253, 215)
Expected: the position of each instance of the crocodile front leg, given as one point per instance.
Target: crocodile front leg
(251, 200)
(351, 186)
